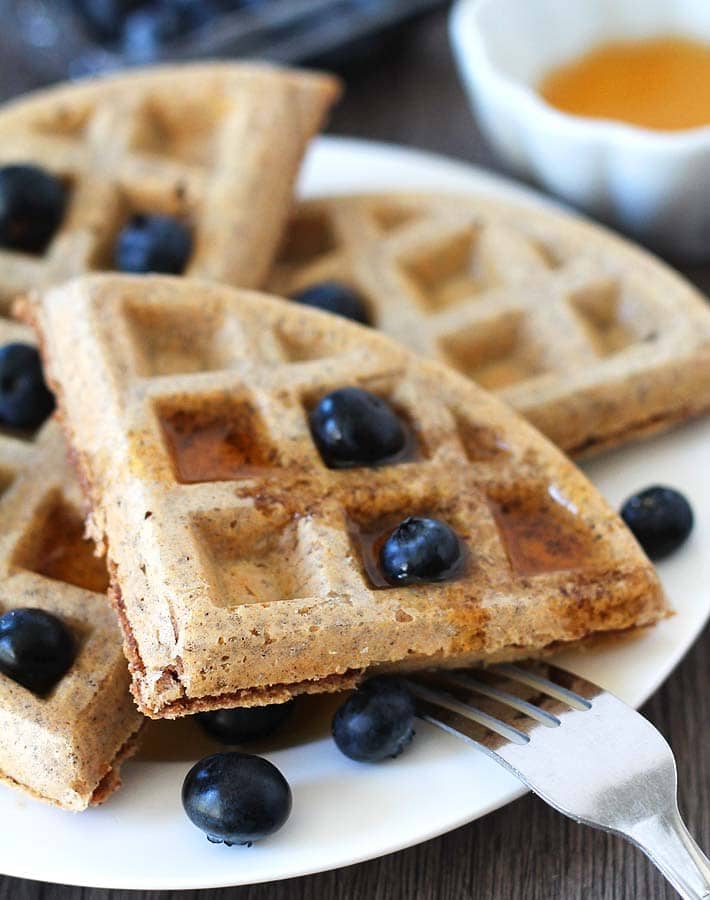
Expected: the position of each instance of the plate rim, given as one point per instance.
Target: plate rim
(478, 180)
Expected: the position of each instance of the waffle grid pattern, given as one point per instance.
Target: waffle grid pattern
(62, 747)
(266, 546)
(540, 309)
(269, 394)
(30, 483)
(191, 142)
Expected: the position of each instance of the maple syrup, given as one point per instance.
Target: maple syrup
(219, 448)
(66, 555)
(542, 535)
(662, 84)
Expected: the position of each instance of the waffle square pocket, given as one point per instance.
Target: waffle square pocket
(593, 340)
(65, 746)
(215, 147)
(244, 566)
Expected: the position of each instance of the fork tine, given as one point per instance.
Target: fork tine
(612, 770)
(552, 689)
(441, 699)
(454, 724)
(463, 679)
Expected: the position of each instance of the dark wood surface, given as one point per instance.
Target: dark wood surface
(411, 96)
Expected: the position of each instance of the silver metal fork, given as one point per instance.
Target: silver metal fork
(580, 748)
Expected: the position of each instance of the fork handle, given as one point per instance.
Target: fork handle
(669, 845)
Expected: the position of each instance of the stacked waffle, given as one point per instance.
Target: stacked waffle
(241, 561)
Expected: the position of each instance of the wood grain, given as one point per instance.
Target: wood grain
(411, 95)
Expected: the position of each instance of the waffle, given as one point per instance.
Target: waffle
(216, 145)
(593, 340)
(241, 565)
(65, 748)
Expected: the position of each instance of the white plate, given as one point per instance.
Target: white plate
(344, 812)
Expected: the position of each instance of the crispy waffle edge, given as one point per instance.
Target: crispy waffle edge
(275, 693)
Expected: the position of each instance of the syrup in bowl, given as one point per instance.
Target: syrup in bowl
(662, 84)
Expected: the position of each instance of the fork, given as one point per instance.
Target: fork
(577, 746)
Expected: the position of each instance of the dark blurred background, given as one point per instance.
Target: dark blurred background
(49, 40)
(393, 55)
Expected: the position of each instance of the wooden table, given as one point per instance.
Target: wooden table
(412, 96)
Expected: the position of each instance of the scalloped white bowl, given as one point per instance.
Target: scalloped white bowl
(654, 185)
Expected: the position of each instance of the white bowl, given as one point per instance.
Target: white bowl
(652, 184)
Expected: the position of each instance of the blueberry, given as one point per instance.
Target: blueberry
(236, 798)
(335, 298)
(105, 17)
(145, 31)
(660, 518)
(236, 726)
(352, 427)
(376, 721)
(192, 13)
(419, 551)
(153, 243)
(25, 400)
(32, 204)
(36, 649)
(232, 5)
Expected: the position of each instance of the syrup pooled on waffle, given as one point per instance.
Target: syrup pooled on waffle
(243, 568)
(65, 746)
(593, 340)
(216, 146)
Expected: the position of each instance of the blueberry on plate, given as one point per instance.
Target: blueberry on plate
(419, 551)
(25, 399)
(153, 243)
(236, 798)
(236, 726)
(660, 518)
(36, 649)
(32, 204)
(352, 427)
(376, 721)
(336, 298)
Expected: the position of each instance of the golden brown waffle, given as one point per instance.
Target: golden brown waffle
(239, 561)
(65, 748)
(217, 145)
(592, 339)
